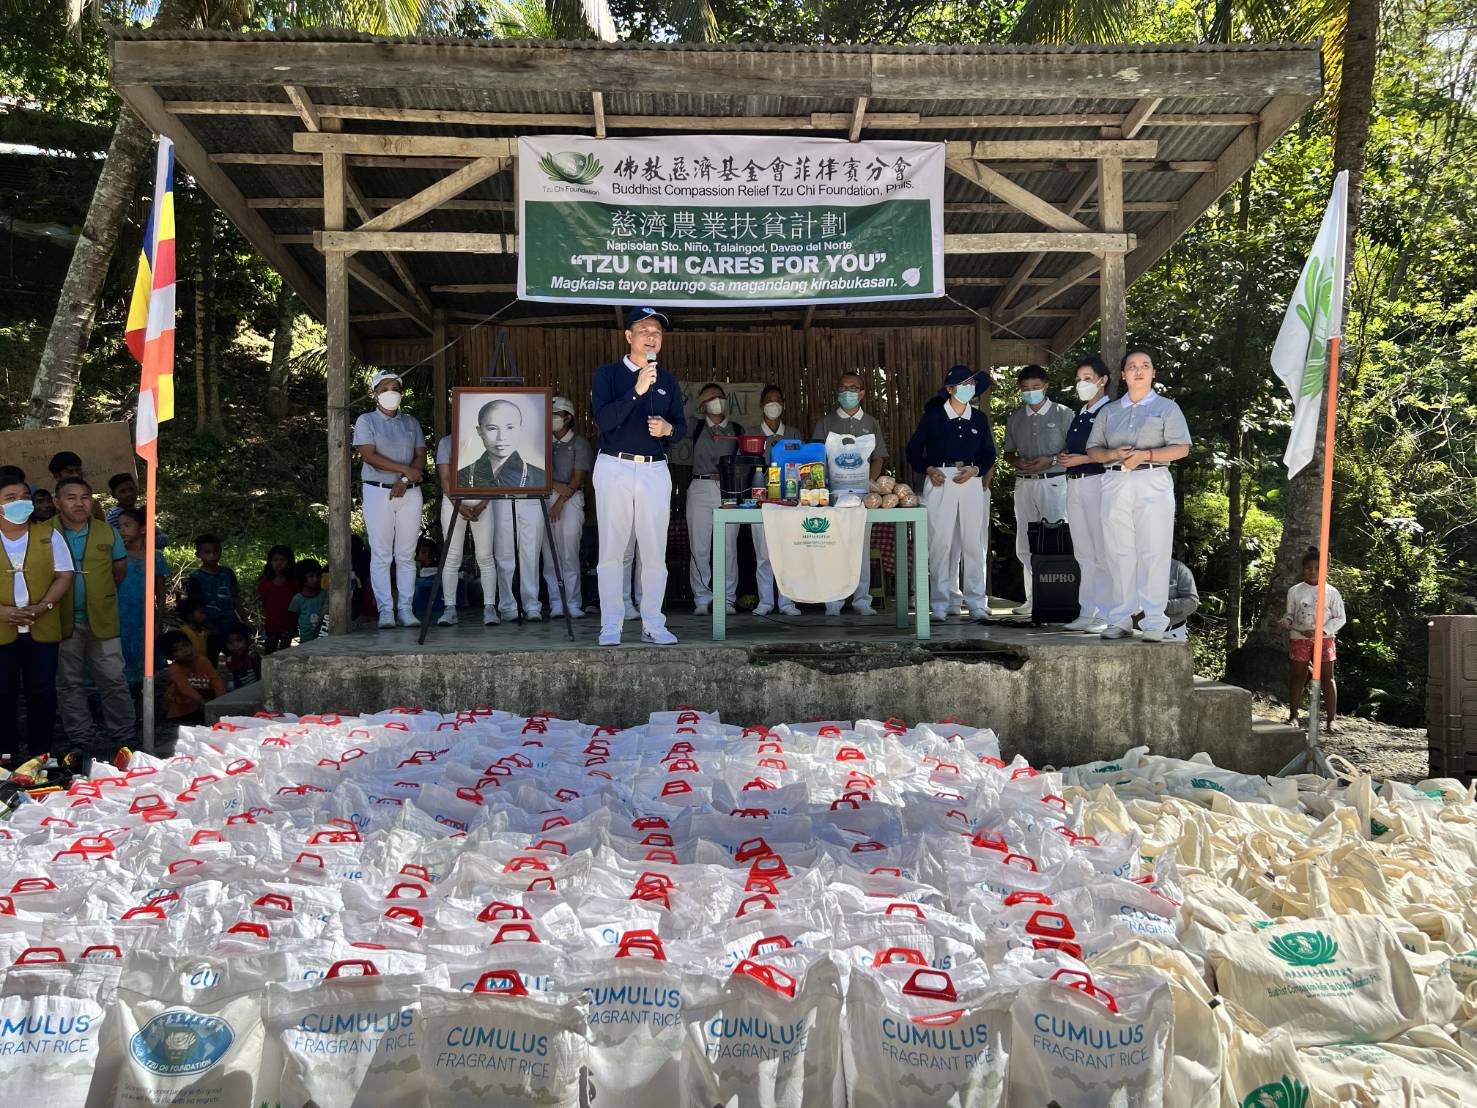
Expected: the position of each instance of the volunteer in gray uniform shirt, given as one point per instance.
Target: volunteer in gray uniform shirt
(774, 428)
(393, 449)
(573, 460)
(848, 419)
(704, 494)
(1035, 433)
(1136, 438)
(477, 518)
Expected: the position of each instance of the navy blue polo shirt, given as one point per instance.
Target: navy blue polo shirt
(941, 439)
(1077, 435)
(621, 415)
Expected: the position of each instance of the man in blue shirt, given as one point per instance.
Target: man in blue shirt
(638, 408)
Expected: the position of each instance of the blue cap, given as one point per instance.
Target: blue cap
(958, 375)
(636, 315)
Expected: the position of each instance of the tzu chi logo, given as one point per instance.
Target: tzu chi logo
(1304, 948)
(1287, 1093)
(180, 1044)
(815, 525)
(570, 167)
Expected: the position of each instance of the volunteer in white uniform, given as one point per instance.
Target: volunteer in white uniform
(638, 407)
(953, 447)
(704, 494)
(573, 459)
(1136, 438)
(1034, 435)
(477, 519)
(1085, 502)
(774, 428)
(955, 603)
(392, 447)
(849, 419)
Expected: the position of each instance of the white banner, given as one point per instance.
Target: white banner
(693, 220)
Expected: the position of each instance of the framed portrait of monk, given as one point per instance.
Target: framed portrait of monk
(501, 442)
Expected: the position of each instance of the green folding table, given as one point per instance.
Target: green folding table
(897, 517)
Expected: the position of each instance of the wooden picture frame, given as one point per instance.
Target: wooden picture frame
(520, 457)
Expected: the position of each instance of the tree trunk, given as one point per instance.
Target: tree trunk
(204, 256)
(1235, 439)
(1260, 663)
(57, 374)
(277, 374)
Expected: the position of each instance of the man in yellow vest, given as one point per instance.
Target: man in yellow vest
(32, 597)
(93, 651)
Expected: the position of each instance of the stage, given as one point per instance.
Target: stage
(1058, 697)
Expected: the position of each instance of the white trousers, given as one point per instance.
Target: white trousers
(1138, 528)
(518, 551)
(482, 550)
(955, 596)
(631, 575)
(702, 497)
(769, 593)
(392, 525)
(1035, 499)
(955, 523)
(632, 497)
(1085, 520)
(567, 531)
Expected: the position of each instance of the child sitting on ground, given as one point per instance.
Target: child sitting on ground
(194, 622)
(427, 556)
(192, 681)
(308, 604)
(240, 665)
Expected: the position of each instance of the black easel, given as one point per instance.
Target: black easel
(502, 355)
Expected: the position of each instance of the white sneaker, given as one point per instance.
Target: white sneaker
(632, 613)
(1081, 623)
(702, 609)
(556, 613)
(448, 618)
(1097, 627)
(1115, 632)
(863, 610)
(610, 638)
(576, 613)
(387, 621)
(789, 610)
(833, 609)
(407, 618)
(763, 609)
(1022, 609)
(979, 613)
(508, 613)
(938, 617)
(730, 609)
(534, 615)
(490, 617)
(662, 637)
(1155, 636)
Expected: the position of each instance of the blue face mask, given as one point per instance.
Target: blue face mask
(19, 511)
(849, 399)
(964, 393)
(1034, 396)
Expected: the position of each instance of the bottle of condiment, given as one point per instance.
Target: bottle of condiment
(774, 482)
(792, 481)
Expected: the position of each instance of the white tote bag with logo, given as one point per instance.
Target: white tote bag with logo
(51, 1019)
(816, 552)
(1340, 979)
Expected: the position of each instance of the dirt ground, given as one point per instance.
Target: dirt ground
(1379, 748)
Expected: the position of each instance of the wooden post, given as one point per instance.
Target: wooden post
(336, 338)
(1113, 337)
(438, 371)
(983, 341)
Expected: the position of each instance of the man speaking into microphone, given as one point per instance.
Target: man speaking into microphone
(638, 408)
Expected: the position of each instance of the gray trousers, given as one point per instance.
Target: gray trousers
(85, 657)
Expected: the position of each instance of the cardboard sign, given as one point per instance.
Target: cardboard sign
(105, 449)
(743, 407)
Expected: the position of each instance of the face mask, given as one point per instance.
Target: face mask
(389, 401)
(19, 511)
(1034, 396)
(772, 412)
(849, 399)
(560, 423)
(964, 393)
(1086, 390)
(714, 406)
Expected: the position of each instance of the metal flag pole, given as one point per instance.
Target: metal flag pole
(150, 604)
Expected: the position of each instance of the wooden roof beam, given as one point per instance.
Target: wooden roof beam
(858, 115)
(304, 105)
(597, 109)
(1074, 204)
(1138, 116)
(433, 196)
(1022, 199)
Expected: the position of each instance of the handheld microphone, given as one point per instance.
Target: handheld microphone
(650, 364)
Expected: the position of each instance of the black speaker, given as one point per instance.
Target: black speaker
(1054, 582)
(1049, 537)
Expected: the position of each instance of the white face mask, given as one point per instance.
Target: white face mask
(389, 400)
(560, 423)
(714, 406)
(772, 412)
(1086, 390)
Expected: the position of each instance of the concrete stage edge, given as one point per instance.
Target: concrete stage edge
(1058, 698)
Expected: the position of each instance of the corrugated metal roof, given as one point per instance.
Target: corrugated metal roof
(226, 131)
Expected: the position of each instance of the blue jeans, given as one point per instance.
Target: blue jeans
(30, 666)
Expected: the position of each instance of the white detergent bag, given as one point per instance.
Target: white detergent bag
(51, 1019)
(771, 1036)
(922, 1044)
(188, 1031)
(497, 1046)
(1340, 979)
(1084, 1040)
(349, 1041)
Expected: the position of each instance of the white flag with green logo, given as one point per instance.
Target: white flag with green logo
(1315, 315)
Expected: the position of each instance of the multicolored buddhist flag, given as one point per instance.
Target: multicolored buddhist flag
(150, 331)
